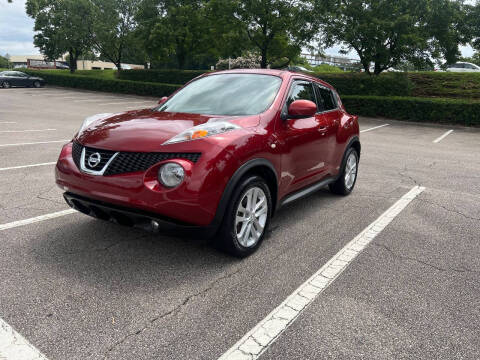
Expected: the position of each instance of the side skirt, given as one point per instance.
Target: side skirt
(306, 191)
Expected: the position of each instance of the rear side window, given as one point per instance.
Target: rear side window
(326, 98)
(301, 90)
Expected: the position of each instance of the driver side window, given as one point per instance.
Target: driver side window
(301, 90)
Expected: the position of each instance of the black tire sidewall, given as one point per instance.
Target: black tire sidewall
(227, 237)
(342, 177)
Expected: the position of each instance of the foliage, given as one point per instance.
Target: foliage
(388, 84)
(461, 112)
(276, 28)
(113, 23)
(109, 85)
(63, 26)
(387, 33)
(324, 68)
(248, 61)
(162, 76)
(4, 63)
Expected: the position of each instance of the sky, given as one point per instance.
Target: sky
(16, 32)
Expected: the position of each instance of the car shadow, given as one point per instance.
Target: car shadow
(106, 254)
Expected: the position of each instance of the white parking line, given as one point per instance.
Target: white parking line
(26, 166)
(7, 122)
(35, 220)
(17, 131)
(14, 346)
(257, 340)
(374, 128)
(34, 143)
(442, 137)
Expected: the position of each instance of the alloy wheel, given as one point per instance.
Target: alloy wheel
(350, 171)
(251, 217)
(6, 84)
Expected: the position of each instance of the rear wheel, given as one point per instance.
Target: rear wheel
(6, 84)
(36, 84)
(246, 218)
(348, 177)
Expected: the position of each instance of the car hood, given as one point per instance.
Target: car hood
(145, 130)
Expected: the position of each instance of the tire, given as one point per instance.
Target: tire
(6, 85)
(236, 236)
(344, 185)
(36, 84)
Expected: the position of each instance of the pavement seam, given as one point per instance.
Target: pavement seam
(173, 311)
(436, 267)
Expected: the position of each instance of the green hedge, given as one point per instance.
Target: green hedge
(162, 76)
(449, 111)
(61, 78)
(389, 84)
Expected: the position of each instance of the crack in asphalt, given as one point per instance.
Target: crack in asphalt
(436, 267)
(403, 174)
(448, 209)
(173, 311)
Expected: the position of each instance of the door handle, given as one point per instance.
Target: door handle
(322, 130)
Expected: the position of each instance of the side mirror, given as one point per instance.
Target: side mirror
(162, 100)
(302, 109)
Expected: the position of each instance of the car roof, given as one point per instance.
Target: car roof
(284, 74)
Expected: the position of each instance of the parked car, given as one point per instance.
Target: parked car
(463, 67)
(220, 155)
(18, 78)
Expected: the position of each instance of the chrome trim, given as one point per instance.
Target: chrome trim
(93, 172)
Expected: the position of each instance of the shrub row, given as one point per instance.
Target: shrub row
(161, 76)
(102, 84)
(421, 84)
(451, 111)
(388, 84)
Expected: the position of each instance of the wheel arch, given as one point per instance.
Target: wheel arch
(355, 143)
(261, 167)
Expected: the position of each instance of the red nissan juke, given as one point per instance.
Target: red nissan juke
(220, 155)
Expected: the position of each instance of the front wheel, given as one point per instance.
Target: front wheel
(36, 84)
(246, 219)
(6, 84)
(348, 177)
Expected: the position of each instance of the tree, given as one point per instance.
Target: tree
(112, 27)
(4, 63)
(63, 26)
(276, 28)
(388, 33)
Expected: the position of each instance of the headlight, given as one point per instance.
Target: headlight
(202, 131)
(171, 174)
(89, 120)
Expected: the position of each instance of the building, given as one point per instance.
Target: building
(339, 61)
(39, 61)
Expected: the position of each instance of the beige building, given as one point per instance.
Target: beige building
(39, 61)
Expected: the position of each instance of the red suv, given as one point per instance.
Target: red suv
(220, 155)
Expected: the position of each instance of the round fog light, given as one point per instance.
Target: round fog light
(171, 174)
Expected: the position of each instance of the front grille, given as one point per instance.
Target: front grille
(105, 156)
(77, 153)
(128, 162)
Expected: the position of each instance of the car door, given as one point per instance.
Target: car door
(303, 141)
(22, 79)
(330, 117)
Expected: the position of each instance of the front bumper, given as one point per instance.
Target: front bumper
(134, 217)
(193, 203)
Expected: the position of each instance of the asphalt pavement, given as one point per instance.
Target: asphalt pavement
(79, 288)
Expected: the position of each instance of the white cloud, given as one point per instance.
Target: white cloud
(16, 29)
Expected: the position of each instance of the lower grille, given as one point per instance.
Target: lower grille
(128, 162)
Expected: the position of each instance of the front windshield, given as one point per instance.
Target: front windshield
(226, 94)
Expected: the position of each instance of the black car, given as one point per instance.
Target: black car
(18, 78)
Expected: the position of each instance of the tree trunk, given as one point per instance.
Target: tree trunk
(72, 61)
(263, 63)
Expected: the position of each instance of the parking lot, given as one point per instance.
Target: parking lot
(79, 288)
